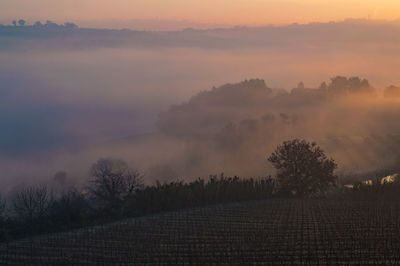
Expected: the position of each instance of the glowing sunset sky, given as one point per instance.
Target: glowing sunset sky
(209, 11)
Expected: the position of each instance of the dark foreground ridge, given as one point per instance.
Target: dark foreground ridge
(269, 232)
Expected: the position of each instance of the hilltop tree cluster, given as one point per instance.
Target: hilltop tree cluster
(343, 85)
(204, 113)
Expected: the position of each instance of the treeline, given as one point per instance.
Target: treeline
(113, 192)
(48, 29)
(48, 24)
(177, 195)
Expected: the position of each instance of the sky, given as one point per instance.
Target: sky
(232, 12)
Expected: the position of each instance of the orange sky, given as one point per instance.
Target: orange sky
(208, 11)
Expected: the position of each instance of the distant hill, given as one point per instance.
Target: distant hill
(207, 111)
(336, 35)
(233, 127)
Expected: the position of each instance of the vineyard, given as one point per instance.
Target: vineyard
(269, 232)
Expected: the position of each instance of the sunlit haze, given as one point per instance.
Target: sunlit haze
(221, 12)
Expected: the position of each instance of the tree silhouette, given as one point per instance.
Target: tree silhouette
(302, 168)
(300, 86)
(342, 85)
(32, 203)
(38, 24)
(21, 22)
(14, 22)
(112, 181)
(51, 24)
(2, 207)
(70, 25)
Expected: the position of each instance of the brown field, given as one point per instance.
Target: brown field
(271, 232)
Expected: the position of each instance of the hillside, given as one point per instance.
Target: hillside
(273, 232)
(334, 36)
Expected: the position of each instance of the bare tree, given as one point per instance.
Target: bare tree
(112, 181)
(14, 22)
(32, 203)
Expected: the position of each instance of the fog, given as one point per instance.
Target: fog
(65, 103)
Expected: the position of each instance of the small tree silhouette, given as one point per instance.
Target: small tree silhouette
(302, 168)
(32, 203)
(38, 24)
(21, 22)
(112, 181)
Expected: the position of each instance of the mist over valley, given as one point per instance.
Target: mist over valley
(72, 95)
